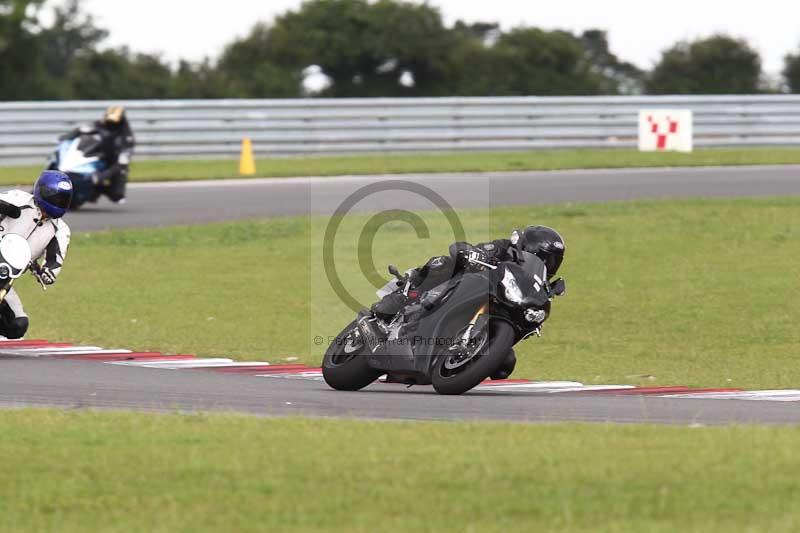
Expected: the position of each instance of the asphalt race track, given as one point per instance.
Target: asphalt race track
(75, 384)
(82, 384)
(161, 204)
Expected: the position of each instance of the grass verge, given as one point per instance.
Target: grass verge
(447, 162)
(90, 471)
(692, 292)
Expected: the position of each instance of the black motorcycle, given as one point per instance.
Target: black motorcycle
(454, 337)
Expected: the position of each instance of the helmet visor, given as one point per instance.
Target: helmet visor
(56, 195)
(553, 262)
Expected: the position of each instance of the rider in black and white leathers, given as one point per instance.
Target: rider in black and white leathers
(48, 238)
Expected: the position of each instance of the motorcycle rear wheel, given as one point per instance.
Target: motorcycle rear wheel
(482, 365)
(344, 366)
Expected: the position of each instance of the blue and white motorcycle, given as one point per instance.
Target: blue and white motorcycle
(80, 158)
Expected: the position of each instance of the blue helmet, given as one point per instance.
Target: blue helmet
(53, 193)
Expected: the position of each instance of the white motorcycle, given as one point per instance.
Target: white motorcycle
(80, 159)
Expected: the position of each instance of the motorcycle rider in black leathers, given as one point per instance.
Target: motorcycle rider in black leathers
(542, 241)
(117, 147)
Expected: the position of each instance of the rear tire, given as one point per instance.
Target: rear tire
(492, 354)
(344, 366)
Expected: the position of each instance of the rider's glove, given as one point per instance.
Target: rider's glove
(47, 276)
(415, 277)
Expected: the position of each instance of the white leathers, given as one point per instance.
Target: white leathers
(47, 237)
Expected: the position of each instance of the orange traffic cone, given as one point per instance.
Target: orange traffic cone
(247, 164)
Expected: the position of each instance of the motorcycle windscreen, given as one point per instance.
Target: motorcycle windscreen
(531, 276)
(89, 144)
(533, 265)
(72, 159)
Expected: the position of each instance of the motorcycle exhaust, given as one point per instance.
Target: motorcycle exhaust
(365, 327)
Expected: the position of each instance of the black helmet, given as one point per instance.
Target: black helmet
(543, 242)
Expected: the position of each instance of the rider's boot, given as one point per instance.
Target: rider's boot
(388, 306)
(506, 367)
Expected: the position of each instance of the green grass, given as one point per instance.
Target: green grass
(447, 162)
(691, 292)
(89, 471)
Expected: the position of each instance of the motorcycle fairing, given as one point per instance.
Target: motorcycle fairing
(74, 161)
(411, 353)
(531, 276)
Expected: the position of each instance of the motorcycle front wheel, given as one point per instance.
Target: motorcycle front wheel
(458, 369)
(344, 366)
(82, 190)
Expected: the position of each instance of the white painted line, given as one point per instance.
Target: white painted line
(533, 385)
(19, 353)
(4, 340)
(193, 363)
(64, 349)
(89, 352)
(175, 364)
(238, 364)
(554, 390)
(778, 395)
(300, 375)
(596, 388)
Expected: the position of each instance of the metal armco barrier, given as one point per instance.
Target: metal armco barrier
(215, 128)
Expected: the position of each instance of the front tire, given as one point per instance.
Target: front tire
(507, 367)
(344, 366)
(82, 188)
(491, 354)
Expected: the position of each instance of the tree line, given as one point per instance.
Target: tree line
(362, 49)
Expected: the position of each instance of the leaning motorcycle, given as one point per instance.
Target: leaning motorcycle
(80, 159)
(456, 336)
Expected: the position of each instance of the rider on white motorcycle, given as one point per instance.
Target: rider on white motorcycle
(36, 217)
(116, 145)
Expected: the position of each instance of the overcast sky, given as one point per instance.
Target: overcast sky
(638, 29)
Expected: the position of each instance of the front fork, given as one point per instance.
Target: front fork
(468, 332)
